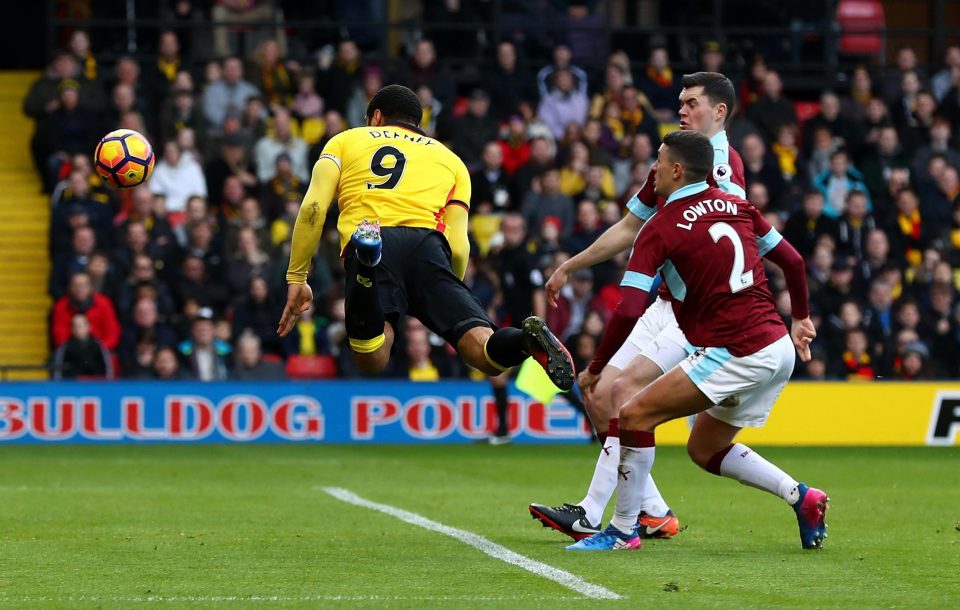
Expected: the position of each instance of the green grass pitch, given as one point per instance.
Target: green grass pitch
(249, 526)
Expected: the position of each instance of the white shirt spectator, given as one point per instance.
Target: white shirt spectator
(177, 177)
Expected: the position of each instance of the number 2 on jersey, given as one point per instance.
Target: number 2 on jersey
(738, 279)
(392, 173)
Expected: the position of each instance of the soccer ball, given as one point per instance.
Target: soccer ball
(124, 159)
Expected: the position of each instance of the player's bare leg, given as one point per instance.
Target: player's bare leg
(712, 448)
(373, 363)
(582, 519)
(494, 352)
(656, 519)
(667, 398)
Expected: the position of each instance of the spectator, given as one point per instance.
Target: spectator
(751, 88)
(942, 81)
(836, 182)
(915, 133)
(853, 226)
(177, 177)
(273, 77)
(421, 366)
(160, 75)
(806, 226)
(475, 129)
(257, 314)
(250, 364)
(563, 104)
(250, 216)
(423, 67)
(97, 308)
(857, 362)
(839, 288)
(789, 159)
(636, 115)
(245, 12)
(248, 262)
(66, 131)
(509, 83)
(44, 99)
(80, 47)
(886, 157)
(906, 63)
(145, 328)
(854, 107)
(761, 166)
(166, 365)
(520, 278)
(337, 79)
(843, 132)
(312, 336)
(877, 257)
(83, 244)
(939, 144)
(542, 153)
(197, 285)
(878, 315)
(912, 231)
(547, 201)
(204, 356)
(903, 106)
(228, 94)
(491, 186)
(306, 103)
(82, 355)
(514, 146)
(658, 84)
(772, 110)
(562, 60)
(180, 113)
(282, 141)
(283, 187)
(914, 362)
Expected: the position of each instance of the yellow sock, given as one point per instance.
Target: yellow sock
(367, 346)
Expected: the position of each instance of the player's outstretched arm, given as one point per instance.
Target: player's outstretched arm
(614, 240)
(306, 235)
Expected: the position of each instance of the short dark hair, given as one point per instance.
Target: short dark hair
(716, 87)
(397, 103)
(692, 150)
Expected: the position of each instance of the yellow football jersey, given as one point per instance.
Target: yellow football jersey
(395, 174)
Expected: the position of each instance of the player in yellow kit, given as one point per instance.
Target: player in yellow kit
(404, 199)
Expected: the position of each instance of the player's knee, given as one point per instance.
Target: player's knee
(620, 390)
(698, 453)
(371, 364)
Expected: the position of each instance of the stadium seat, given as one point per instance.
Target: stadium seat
(311, 367)
(862, 24)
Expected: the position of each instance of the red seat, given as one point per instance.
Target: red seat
(862, 23)
(311, 367)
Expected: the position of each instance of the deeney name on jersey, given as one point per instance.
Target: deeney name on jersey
(707, 206)
(389, 134)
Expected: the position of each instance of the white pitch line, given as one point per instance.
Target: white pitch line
(562, 577)
(174, 599)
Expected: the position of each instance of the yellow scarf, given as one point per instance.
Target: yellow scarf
(787, 157)
(169, 68)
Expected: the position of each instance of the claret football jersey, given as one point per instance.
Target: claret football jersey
(706, 243)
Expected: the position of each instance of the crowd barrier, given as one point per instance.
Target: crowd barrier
(448, 412)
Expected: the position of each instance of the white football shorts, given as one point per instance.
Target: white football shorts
(655, 336)
(743, 389)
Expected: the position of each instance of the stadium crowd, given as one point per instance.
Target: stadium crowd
(183, 277)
